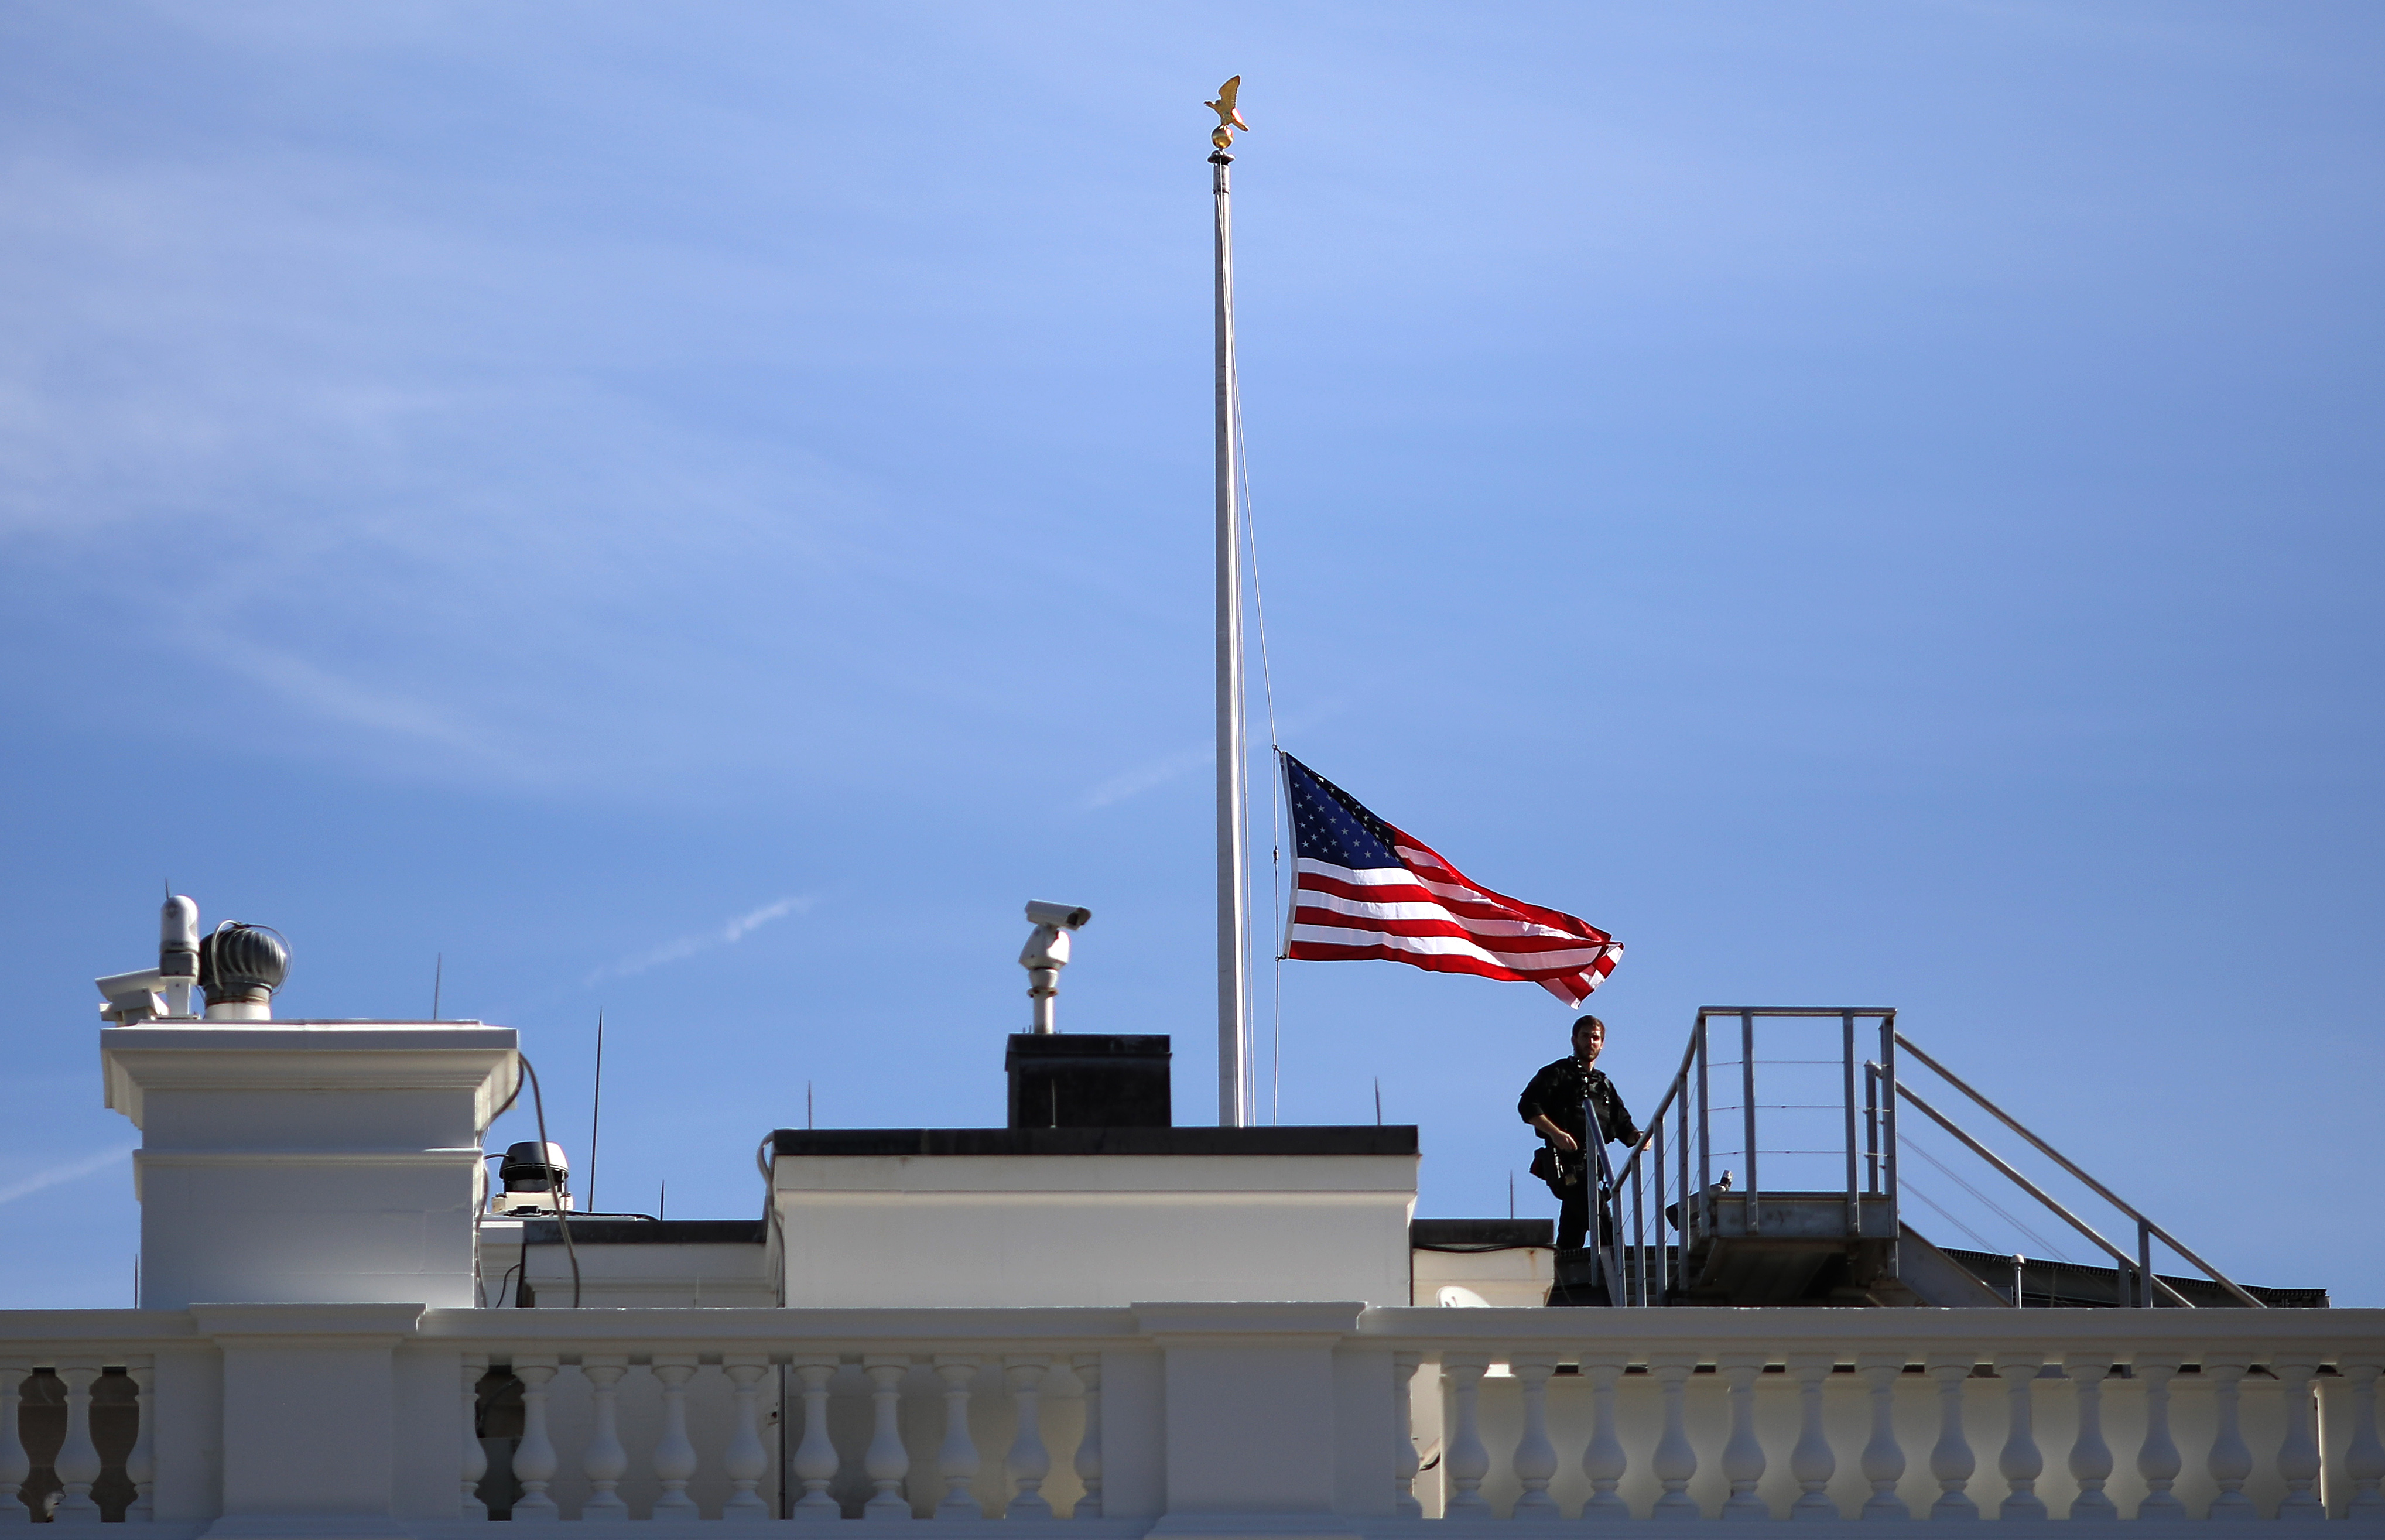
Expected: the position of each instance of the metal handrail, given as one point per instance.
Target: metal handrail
(2100, 1191)
(2026, 1185)
(1866, 1172)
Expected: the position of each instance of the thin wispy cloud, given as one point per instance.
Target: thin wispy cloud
(1146, 776)
(1155, 773)
(71, 1171)
(727, 935)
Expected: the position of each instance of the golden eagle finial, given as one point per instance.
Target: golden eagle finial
(1228, 117)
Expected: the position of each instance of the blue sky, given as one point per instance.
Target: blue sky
(701, 511)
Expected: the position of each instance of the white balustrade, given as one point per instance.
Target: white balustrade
(605, 1461)
(534, 1457)
(1951, 1460)
(78, 1458)
(745, 1461)
(957, 1461)
(2365, 1457)
(141, 1462)
(2020, 1462)
(674, 1452)
(1811, 1462)
(2298, 1452)
(1676, 1459)
(1743, 1456)
(886, 1462)
(1087, 1463)
(2158, 1461)
(14, 1464)
(1680, 1410)
(1883, 1456)
(816, 1459)
(1030, 1461)
(1535, 1460)
(1466, 1461)
(1405, 1463)
(2091, 1457)
(2230, 1460)
(474, 1463)
(1603, 1460)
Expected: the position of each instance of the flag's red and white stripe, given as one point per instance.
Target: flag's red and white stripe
(1425, 912)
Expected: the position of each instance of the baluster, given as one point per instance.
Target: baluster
(1951, 1460)
(1811, 1462)
(1603, 1460)
(2020, 1462)
(1029, 1462)
(1404, 1461)
(2157, 1457)
(745, 1460)
(16, 1464)
(816, 1460)
(1677, 1459)
(2091, 1457)
(1535, 1460)
(473, 1461)
(674, 1455)
(1883, 1456)
(2231, 1460)
(141, 1464)
(1089, 1447)
(534, 1460)
(2298, 1452)
(605, 1461)
(1742, 1456)
(76, 1464)
(886, 1461)
(1466, 1461)
(957, 1461)
(2364, 1462)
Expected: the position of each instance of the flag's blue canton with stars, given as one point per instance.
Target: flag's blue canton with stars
(1364, 890)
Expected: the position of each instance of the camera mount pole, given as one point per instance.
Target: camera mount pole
(1233, 791)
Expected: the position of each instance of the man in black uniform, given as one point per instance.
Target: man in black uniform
(1553, 1103)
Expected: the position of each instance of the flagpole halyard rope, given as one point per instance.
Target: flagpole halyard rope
(1275, 746)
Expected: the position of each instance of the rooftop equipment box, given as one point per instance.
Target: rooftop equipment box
(1088, 1079)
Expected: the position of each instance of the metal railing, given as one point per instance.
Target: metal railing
(1869, 1151)
(2141, 1265)
(1638, 1267)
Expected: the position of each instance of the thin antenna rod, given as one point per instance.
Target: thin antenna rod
(596, 1107)
(807, 1104)
(1233, 794)
(438, 978)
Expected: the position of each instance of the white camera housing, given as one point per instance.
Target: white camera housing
(1066, 916)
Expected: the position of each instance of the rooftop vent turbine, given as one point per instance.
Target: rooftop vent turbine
(239, 967)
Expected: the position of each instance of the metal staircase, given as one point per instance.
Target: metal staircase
(1685, 1230)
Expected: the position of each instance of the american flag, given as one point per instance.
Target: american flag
(1364, 890)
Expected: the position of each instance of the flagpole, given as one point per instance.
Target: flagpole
(1233, 792)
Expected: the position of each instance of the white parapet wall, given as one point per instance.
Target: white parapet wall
(316, 1163)
(1191, 1420)
(1092, 1216)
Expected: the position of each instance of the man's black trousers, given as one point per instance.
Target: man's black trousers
(1573, 1216)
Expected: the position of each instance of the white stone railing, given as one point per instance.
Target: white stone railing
(1884, 1415)
(1197, 1418)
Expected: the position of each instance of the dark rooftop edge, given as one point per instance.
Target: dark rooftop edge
(1479, 1235)
(646, 1232)
(1363, 1139)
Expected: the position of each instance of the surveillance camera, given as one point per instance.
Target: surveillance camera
(1064, 915)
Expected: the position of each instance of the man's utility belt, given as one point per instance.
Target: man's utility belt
(1563, 1170)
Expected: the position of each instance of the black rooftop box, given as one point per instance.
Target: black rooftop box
(1088, 1079)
